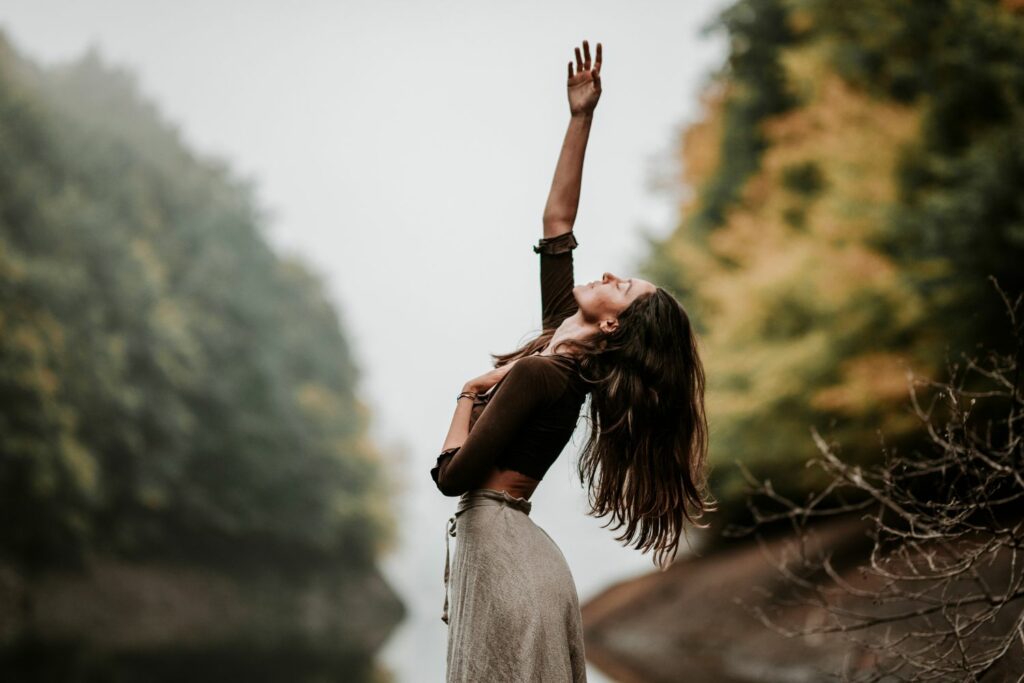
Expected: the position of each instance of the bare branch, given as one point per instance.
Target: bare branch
(940, 593)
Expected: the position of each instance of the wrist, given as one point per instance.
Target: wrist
(582, 115)
(469, 386)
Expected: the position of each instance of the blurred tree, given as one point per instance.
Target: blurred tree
(936, 594)
(755, 81)
(169, 385)
(889, 152)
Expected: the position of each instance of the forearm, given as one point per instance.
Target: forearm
(459, 429)
(564, 198)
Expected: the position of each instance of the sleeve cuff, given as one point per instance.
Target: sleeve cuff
(445, 455)
(556, 245)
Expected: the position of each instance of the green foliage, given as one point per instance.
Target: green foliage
(961, 212)
(756, 82)
(960, 221)
(882, 45)
(803, 178)
(169, 384)
(846, 233)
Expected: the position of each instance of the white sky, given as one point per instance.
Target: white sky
(405, 149)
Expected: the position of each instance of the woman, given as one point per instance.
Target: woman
(514, 609)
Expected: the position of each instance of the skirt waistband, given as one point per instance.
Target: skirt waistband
(478, 497)
(472, 499)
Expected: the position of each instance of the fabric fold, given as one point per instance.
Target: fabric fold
(510, 600)
(556, 245)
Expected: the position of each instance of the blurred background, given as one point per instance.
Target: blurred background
(249, 253)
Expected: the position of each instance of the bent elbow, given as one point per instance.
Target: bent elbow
(448, 488)
(441, 475)
(444, 483)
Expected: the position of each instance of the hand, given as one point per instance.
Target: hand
(488, 379)
(585, 85)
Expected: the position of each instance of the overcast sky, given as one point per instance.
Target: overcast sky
(405, 149)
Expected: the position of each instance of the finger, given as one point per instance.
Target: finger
(597, 79)
(570, 70)
(597, 60)
(586, 55)
(579, 61)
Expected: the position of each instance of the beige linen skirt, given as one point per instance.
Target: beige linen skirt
(514, 613)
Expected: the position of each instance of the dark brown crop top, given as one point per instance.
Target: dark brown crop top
(527, 418)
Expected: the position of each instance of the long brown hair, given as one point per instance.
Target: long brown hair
(645, 461)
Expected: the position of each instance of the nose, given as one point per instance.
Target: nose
(608, 276)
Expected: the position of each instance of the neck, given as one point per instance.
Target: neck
(573, 327)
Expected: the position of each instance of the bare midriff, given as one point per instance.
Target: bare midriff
(516, 483)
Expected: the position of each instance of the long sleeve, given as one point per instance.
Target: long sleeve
(556, 278)
(523, 391)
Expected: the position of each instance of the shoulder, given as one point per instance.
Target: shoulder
(542, 364)
(530, 366)
(544, 374)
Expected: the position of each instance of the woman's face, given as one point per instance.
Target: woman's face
(604, 300)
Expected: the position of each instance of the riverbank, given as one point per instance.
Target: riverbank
(699, 620)
(687, 623)
(114, 605)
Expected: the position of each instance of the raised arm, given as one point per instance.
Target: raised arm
(584, 89)
(555, 248)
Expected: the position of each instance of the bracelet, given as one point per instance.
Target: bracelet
(467, 394)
